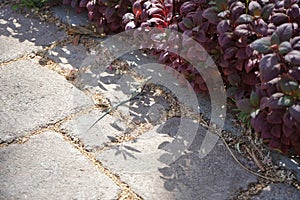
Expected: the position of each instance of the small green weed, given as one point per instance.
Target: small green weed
(33, 4)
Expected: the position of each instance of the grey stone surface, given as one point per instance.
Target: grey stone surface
(278, 191)
(33, 96)
(98, 135)
(69, 56)
(142, 164)
(68, 15)
(47, 167)
(200, 104)
(137, 163)
(115, 87)
(20, 35)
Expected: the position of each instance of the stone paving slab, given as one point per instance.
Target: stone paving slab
(278, 191)
(68, 15)
(33, 96)
(20, 35)
(133, 163)
(217, 176)
(68, 56)
(97, 136)
(47, 167)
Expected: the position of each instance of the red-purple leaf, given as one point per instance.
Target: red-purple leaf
(275, 116)
(294, 11)
(288, 120)
(269, 67)
(230, 53)
(262, 45)
(187, 7)
(244, 19)
(241, 54)
(211, 14)
(224, 26)
(287, 131)
(237, 9)
(276, 130)
(271, 103)
(243, 30)
(288, 85)
(285, 32)
(226, 39)
(188, 23)
(295, 112)
(279, 18)
(255, 8)
(156, 10)
(274, 143)
(293, 57)
(83, 3)
(284, 48)
(261, 27)
(266, 11)
(295, 42)
(259, 121)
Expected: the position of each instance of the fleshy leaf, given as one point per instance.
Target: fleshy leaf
(295, 42)
(275, 39)
(284, 31)
(211, 14)
(255, 8)
(285, 47)
(279, 18)
(188, 22)
(293, 57)
(288, 120)
(286, 101)
(288, 85)
(243, 30)
(262, 45)
(295, 112)
(269, 67)
(266, 11)
(224, 26)
(287, 131)
(276, 131)
(244, 18)
(275, 117)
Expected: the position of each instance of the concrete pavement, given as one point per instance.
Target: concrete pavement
(46, 151)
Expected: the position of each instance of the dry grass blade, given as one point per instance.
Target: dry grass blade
(255, 159)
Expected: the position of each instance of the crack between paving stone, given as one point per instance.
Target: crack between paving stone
(55, 126)
(140, 130)
(22, 57)
(126, 191)
(186, 112)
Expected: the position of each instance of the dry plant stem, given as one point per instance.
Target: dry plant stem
(244, 167)
(204, 123)
(253, 156)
